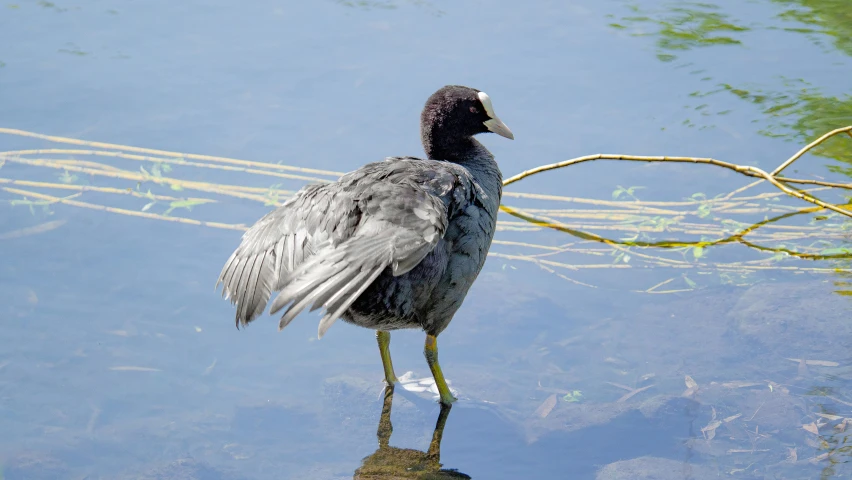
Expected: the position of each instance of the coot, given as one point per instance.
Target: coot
(394, 244)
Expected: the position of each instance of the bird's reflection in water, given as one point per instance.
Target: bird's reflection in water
(399, 463)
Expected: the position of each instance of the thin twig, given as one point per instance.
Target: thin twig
(173, 161)
(122, 211)
(742, 169)
(847, 186)
(735, 238)
(729, 267)
(809, 146)
(664, 282)
(164, 153)
(139, 177)
(88, 188)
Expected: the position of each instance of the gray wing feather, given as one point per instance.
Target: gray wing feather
(331, 276)
(403, 224)
(275, 245)
(326, 245)
(362, 282)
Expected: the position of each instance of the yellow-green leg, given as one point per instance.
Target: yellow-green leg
(383, 338)
(431, 353)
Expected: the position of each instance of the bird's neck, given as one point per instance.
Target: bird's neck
(462, 150)
(472, 155)
(443, 147)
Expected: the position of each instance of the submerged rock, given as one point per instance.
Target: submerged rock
(654, 468)
(183, 469)
(795, 319)
(33, 466)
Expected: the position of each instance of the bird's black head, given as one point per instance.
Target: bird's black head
(455, 113)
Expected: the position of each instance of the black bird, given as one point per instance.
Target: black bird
(394, 244)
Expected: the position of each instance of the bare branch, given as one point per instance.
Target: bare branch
(742, 169)
(809, 146)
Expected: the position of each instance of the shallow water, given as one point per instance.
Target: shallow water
(120, 361)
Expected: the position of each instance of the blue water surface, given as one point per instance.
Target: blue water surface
(119, 360)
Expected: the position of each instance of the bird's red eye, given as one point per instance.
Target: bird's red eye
(473, 110)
